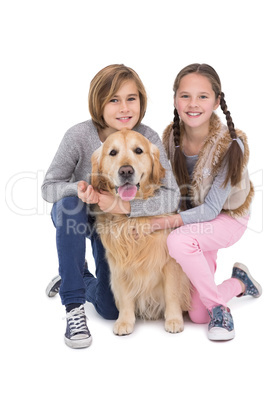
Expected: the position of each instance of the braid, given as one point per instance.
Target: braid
(234, 154)
(229, 120)
(179, 165)
(176, 128)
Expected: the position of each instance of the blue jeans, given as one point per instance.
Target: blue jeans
(74, 224)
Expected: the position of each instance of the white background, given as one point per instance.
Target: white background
(50, 50)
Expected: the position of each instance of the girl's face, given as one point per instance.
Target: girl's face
(123, 109)
(195, 101)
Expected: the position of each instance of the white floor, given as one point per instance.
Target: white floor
(51, 51)
(146, 365)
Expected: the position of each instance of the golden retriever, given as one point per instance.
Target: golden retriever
(145, 280)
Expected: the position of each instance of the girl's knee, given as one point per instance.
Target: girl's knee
(179, 243)
(198, 313)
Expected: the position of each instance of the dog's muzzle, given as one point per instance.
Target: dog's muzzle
(127, 191)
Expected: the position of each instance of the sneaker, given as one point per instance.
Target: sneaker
(53, 287)
(241, 272)
(221, 326)
(77, 333)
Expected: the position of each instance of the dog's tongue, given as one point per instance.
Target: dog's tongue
(127, 192)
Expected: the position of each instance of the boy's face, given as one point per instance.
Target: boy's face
(123, 110)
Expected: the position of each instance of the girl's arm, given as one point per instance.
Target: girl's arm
(166, 222)
(205, 212)
(213, 203)
(214, 200)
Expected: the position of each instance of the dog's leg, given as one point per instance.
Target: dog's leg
(126, 320)
(172, 292)
(125, 304)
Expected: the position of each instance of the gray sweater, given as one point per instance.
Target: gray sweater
(72, 163)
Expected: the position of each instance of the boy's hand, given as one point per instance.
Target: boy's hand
(87, 194)
(110, 203)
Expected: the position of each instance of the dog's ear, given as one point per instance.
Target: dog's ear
(95, 174)
(99, 181)
(158, 172)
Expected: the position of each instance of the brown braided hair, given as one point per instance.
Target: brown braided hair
(234, 155)
(180, 168)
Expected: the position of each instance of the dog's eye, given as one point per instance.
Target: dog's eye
(138, 151)
(113, 152)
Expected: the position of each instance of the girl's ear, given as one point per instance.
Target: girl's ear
(217, 103)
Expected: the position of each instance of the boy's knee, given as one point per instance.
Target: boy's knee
(108, 314)
(68, 211)
(72, 206)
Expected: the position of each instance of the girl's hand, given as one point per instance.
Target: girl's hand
(87, 194)
(112, 204)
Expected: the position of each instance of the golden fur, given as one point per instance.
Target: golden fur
(145, 280)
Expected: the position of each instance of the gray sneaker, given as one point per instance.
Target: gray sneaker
(77, 334)
(221, 326)
(53, 287)
(241, 272)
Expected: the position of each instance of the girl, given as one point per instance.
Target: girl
(209, 161)
(117, 99)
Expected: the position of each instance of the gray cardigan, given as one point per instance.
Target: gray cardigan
(72, 163)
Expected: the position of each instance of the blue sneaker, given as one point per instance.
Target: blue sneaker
(221, 326)
(241, 272)
(77, 334)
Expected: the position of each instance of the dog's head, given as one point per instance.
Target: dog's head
(128, 164)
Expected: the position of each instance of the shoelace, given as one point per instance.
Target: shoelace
(77, 321)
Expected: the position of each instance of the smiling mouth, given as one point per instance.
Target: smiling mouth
(124, 119)
(193, 114)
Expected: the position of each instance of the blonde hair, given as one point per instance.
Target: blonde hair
(104, 86)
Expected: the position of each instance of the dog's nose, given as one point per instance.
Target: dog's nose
(126, 171)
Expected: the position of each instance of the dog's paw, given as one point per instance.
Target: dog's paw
(123, 328)
(174, 326)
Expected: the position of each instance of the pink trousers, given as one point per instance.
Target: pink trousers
(195, 248)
